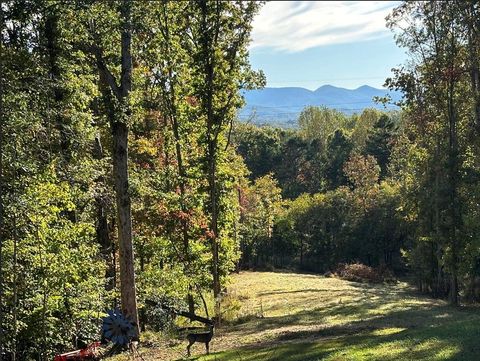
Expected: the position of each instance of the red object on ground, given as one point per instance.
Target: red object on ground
(87, 353)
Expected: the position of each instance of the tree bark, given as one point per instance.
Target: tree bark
(438, 252)
(54, 52)
(2, 236)
(124, 222)
(214, 218)
(102, 233)
(454, 214)
(120, 168)
(473, 24)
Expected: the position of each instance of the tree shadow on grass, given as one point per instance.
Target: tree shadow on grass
(377, 309)
(308, 290)
(287, 352)
(456, 340)
(378, 323)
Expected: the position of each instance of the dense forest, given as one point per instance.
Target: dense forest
(321, 195)
(126, 177)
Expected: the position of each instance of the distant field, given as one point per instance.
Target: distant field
(308, 317)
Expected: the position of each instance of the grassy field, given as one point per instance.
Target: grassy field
(298, 317)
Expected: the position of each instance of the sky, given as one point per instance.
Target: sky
(309, 44)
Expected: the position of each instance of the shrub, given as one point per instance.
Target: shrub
(358, 272)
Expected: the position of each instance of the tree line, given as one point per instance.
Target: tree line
(320, 198)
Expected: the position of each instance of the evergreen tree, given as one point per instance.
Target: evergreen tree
(379, 143)
(338, 152)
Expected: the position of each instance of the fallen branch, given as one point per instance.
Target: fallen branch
(186, 314)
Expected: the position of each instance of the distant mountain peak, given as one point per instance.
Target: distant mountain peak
(367, 87)
(326, 87)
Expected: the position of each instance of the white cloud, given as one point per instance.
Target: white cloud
(298, 25)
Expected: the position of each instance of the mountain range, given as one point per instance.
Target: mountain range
(282, 106)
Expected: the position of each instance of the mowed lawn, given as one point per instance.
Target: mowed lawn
(293, 317)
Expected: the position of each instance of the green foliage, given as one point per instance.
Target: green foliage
(338, 152)
(260, 148)
(59, 232)
(260, 206)
(379, 143)
(55, 276)
(363, 124)
(209, 195)
(320, 123)
(434, 160)
(317, 231)
(311, 159)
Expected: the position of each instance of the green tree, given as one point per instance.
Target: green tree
(117, 94)
(338, 152)
(320, 123)
(362, 127)
(379, 142)
(220, 34)
(47, 177)
(261, 205)
(434, 86)
(260, 147)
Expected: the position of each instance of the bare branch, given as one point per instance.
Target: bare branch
(105, 73)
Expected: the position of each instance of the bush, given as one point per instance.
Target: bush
(230, 307)
(158, 318)
(358, 272)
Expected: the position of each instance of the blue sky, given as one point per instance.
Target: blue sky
(309, 44)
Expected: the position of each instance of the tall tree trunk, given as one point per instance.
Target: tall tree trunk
(212, 182)
(124, 221)
(54, 53)
(473, 24)
(2, 231)
(454, 214)
(102, 232)
(120, 168)
(438, 251)
(208, 41)
(119, 115)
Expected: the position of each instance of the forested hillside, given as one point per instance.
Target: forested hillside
(127, 181)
